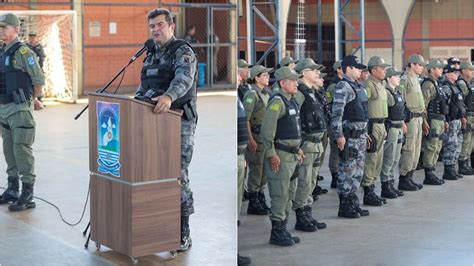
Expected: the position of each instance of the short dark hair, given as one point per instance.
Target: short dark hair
(162, 11)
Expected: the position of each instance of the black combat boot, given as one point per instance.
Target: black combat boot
(387, 191)
(410, 179)
(279, 236)
(295, 238)
(12, 193)
(263, 201)
(464, 168)
(405, 184)
(356, 205)
(346, 208)
(449, 173)
(242, 261)
(309, 213)
(320, 178)
(334, 180)
(468, 162)
(458, 175)
(186, 241)
(384, 201)
(303, 223)
(254, 205)
(392, 187)
(431, 178)
(25, 201)
(318, 191)
(246, 195)
(370, 198)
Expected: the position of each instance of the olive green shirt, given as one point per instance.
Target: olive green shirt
(275, 110)
(255, 101)
(411, 92)
(429, 91)
(377, 96)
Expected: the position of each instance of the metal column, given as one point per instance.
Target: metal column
(340, 20)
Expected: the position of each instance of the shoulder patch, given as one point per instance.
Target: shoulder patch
(23, 50)
(31, 61)
(248, 100)
(275, 107)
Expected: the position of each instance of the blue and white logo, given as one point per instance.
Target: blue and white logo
(108, 138)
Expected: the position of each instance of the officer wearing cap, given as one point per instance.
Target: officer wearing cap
(289, 62)
(396, 128)
(349, 119)
(281, 136)
(255, 101)
(466, 85)
(378, 112)
(244, 71)
(434, 121)
(457, 121)
(411, 92)
(334, 151)
(313, 127)
(36, 47)
(21, 81)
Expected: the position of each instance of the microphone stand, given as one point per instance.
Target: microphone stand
(135, 57)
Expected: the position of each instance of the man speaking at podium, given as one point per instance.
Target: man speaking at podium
(169, 78)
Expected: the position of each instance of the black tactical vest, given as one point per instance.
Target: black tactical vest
(440, 104)
(312, 111)
(157, 73)
(242, 126)
(457, 109)
(288, 127)
(242, 90)
(469, 99)
(356, 110)
(397, 111)
(11, 78)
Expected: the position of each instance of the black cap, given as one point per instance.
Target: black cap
(449, 68)
(351, 60)
(454, 60)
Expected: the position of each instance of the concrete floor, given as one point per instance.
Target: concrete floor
(434, 226)
(38, 237)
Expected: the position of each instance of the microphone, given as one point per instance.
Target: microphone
(149, 45)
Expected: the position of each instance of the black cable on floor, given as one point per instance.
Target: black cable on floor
(59, 210)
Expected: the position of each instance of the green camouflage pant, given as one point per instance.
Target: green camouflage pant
(433, 143)
(412, 147)
(467, 141)
(18, 135)
(256, 179)
(374, 160)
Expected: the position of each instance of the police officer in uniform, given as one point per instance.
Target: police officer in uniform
(244, 71)
(466, 85)
(396, 129)
(21, 81)
(378, 112)
(313, 127)
(36, 47)
(285, 61)
(456, 119)
(411, 92)
(349, 119)
(281, 136)
(434, 122)
(255, 102)
(169, 78)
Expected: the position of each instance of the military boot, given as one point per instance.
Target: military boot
(25, 201)
(242, 261)
(356, 205)
(12, 193)
(383, 200)
(458, 175)
(405, 184)
(303, 223)
(370, 198)
(468, 162)
(449, 173)
(387, 191)
(263, 201)
(334, 180)
(278, 235)
(309, 213)
(254, 205)
(346, 208)
(186, 241)
(431, 178)
(464, 168)
(392, 187)
(410, 179)
(295, 238)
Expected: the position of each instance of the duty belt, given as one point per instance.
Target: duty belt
(416, 114)
(287, 148)
(377, 120)
(353, 133)
(391, 124)
(436, 116)
(314, 139)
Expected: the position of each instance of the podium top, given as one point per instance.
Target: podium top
(129, 98)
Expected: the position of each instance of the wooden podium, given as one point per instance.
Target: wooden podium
(135, 165)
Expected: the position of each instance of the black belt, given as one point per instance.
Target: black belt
(240, 151)
(354, 133)
(436, 116)
(6, 99)
(287, 148)
(416, 114)
(314, 139)
(377, 120)
(391, 124)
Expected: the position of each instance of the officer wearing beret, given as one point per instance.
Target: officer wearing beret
(466, 84)
(21, 81)
(281, 136)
